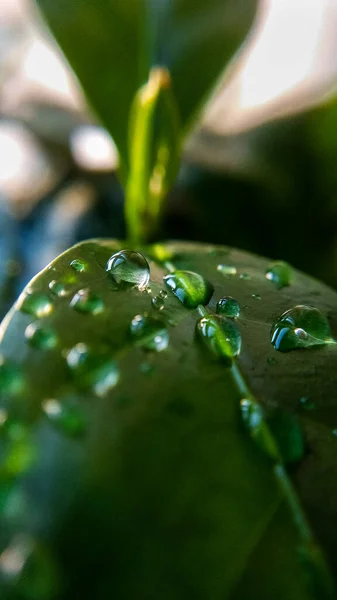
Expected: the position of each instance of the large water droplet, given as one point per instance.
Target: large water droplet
(228, 307)
(129, 268)
(189, 287)
(279, 273)
(57, 288)
(40, 336)
(11, 379)
(158, 303)
(96, 370)
(149, 333)
(78, 265)
(37, 305)
(221, 336)
(68, 418)
(227, 269)
(300, 327)
(87, 302)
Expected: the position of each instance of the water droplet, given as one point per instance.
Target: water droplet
(11, 379)
(40, 336)
(149, 333)
(130, 268)
(78, 265)
(256, 296)
(306, 403)
(87, 302)
(189, 287)
(57, 288)
(253, 420)
(68, 418)
(158, 303)
(227, 269)
(300, 327)
(279, 273)
(37, 305)
(163, 294)
(220, 335)
(228, 307)
(334, 432)
(96, 370)
(244, 276)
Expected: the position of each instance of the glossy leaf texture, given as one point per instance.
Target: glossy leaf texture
(124, 455)
(112, 45)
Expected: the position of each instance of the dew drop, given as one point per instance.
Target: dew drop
(68, 418)
(253, 419)
(129, 268)
(149, 333)
(86, 301)
(300, 327)
(40, 336)
(78, 265)
(227, 269)
(189, 287)
(220, 335)
(37, 305)
(11, 379)
(57, 288)
(96, 370)
(279, 273)
(228, 307)
(158, 303)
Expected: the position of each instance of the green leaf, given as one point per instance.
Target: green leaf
(161, 492)
(113, 44)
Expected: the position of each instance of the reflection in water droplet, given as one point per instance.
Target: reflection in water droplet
(279, 273)
(306, 403)
(78, 265)
(57, 288)
(189, 287)
(149, 333)
(40, 336)
(96, 370)
(300, 327)
(157, 303)
(87, 302)
(220, 335)
(68, 418)
(37, 305)
(11, 379)
(129, 268)
(227, 269)
(228, 307)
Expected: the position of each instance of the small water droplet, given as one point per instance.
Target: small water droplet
(306, 403)
(96, 370)
(244, 276)
(149, 333)
(87, 302)
(253, 420)
(78, 265)
(37, 305)
(129, 268)
(11, 379)
(220, 335)
(163, 294)
(189, 287)
(228, 307)
(68, 418)
(300, 327)
(57, 288)
(279, 272)
(40, 336)
(227, 269)
(158, 303)
(256, 296)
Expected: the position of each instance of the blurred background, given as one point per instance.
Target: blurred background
(259, 170)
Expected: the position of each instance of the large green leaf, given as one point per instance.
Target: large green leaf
(112, 44)
(147, 485)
